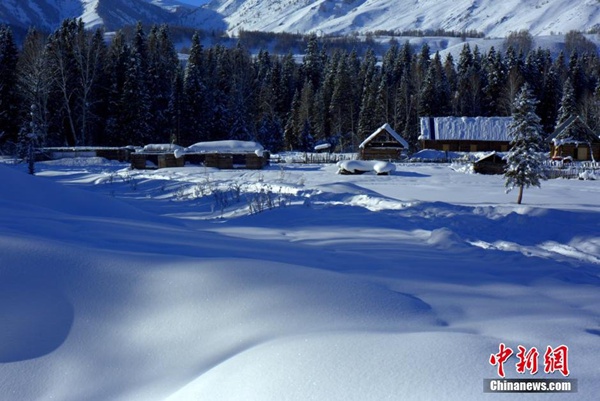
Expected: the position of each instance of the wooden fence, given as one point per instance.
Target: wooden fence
(572, 170)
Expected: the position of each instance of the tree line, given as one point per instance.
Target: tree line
(75, 88)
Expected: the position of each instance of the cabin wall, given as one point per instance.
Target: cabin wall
(576, 151)
(466, 146)
(381, 153)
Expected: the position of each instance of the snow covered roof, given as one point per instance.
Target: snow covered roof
(231, 146)
(160, 148)
(390, 130)
(466, 128)
(573, 130)
(323, 146)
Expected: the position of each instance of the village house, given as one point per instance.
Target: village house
(383, 144)
(465, 134)
(575, 140)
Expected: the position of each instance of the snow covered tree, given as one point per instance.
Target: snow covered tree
(524, 160)
(568, 105)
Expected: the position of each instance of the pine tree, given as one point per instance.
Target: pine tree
(524, 160)
(162, 64)
(116, 72)
(195, 104)
(135, 103)
(9, 99)
(568, 105)
(495, 89)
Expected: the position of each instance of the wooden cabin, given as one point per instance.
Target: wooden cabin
(491, 163)
(383, 144)
(465, 134)
(575, 140)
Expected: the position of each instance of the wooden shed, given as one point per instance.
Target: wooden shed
(227, 154)
(156, 156)
(491, 163)
(574, 139)
(383, 144)
(465, 134)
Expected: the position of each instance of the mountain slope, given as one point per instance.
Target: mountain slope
(113, 14)
(492, 17)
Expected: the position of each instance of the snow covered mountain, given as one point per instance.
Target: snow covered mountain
(47, 14)
(494, 18)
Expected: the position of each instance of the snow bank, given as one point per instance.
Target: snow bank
(362, 166)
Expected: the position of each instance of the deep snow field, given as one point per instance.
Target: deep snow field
(289, 283)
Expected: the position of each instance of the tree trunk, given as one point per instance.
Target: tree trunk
(520, 198)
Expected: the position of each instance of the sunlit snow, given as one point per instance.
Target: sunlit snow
(288, 283)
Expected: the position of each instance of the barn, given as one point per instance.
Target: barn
(465, 134)
(575, 140)
(383, 144)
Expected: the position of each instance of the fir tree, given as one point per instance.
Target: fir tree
(568, 105)
(525, 158)
(195, 104)
(162, 65)
(9, 99)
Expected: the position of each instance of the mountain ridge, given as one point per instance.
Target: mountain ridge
(493, 18)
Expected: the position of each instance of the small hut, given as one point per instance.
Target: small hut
(383, 144)
(491, 163)
(227, 154)
(574, 139)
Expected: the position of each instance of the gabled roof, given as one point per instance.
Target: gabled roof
(390, 130)
(495, 129)
(573, 130)
(490, 157)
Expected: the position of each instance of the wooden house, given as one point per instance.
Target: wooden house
(465, 134)
(383, 144)
(491, 163)
(575, 140)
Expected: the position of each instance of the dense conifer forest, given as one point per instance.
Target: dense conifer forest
(75, 88)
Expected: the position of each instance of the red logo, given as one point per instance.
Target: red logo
(555, 359)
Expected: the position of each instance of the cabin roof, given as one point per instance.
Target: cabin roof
(573, 130)
(495, 129)
(390, 130)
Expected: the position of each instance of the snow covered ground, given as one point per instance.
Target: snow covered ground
(289, 283)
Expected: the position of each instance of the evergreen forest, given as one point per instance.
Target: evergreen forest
(75, 87)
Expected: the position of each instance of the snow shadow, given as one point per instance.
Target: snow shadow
(35, 319)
